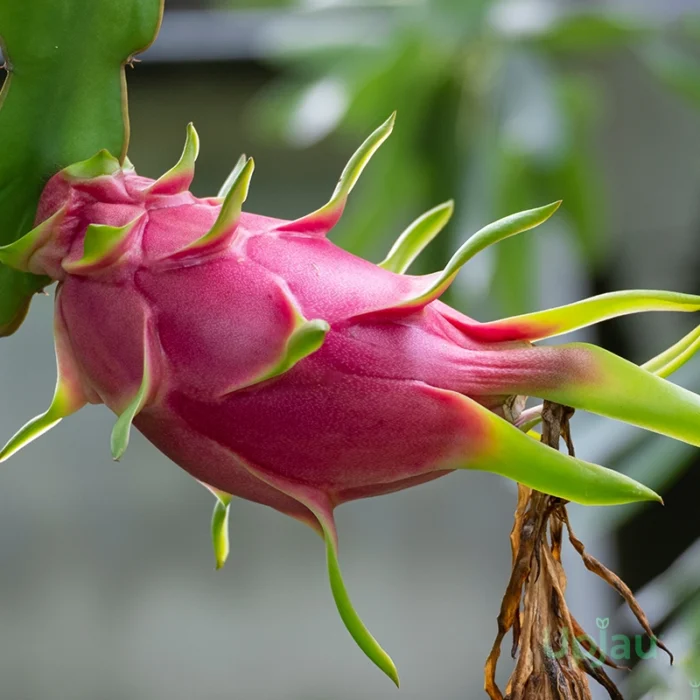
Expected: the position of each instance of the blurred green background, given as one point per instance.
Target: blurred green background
(107, 587)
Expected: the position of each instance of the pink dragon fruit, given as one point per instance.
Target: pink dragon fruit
(274, 366)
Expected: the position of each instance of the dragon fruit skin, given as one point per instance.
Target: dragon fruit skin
(274, 366)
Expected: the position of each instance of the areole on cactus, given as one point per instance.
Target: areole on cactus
(274, 366)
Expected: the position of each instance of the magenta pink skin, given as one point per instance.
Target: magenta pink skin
(377, 408)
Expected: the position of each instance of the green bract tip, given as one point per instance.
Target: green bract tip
(102, 163)
(179, 177)
(225, 225)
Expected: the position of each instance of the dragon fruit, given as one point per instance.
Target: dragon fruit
(274, 366)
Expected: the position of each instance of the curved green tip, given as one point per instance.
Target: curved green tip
(319, 221)
(180, 176)
(31, 431)
(416, 237)
(219, 529)
(102, 244)
(119, 440)
(226, 223)
(121, 432)
(500, 230)
(662, 365)
(321, 506)
(490, 234)
(68, 397)
(564, 319)
(305, 339)
(598, 381)
(233, 176)
(503, 449)
(353, 623)
(18, 254)
(667, 362)
(122, 428)
(352, 171)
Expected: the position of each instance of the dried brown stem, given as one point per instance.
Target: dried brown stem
(554, 656)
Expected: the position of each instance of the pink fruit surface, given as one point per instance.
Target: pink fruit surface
(274, 366)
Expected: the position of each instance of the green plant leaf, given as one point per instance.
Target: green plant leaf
(679, 70)
(63, 100)
(589, 30)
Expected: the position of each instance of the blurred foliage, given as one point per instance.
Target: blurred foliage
(495, 109)
(250, 4)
